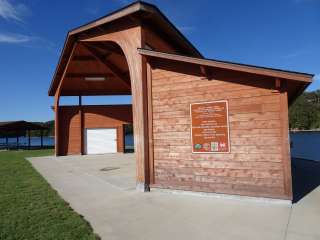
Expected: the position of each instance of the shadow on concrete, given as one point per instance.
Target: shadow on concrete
(305, 177)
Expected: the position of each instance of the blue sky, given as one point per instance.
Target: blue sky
(281, 34)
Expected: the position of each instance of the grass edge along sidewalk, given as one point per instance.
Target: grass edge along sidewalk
(30, 208)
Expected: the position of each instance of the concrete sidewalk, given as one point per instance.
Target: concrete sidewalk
(109, 201)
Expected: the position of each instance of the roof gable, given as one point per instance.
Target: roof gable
(138, 11)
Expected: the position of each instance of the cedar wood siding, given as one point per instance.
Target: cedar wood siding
(258, 164)
(93, 117)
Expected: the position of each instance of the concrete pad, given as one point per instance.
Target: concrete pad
(305, 218)
(109, 201)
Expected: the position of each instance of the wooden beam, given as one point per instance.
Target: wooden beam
(57, 100)
(56, 122)
(83, 75)
(144, 164)
(119, 14)
(96, 92)
(110, 66)
(81, 117)
(150, 125)
(285, 145)
(277, 84)
(108, 48)
(205, 72)
(84, 58)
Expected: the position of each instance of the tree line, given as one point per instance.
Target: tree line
(304, 113)
(47, 132)
(34, 133)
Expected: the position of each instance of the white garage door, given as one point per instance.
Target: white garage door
(101, 140)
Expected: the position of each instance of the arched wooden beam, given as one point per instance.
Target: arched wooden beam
(109, 65)
(57, 100)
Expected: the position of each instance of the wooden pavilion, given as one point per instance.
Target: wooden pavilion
(199, 124)
(20, 128)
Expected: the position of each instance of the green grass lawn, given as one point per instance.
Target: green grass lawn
(30, 208)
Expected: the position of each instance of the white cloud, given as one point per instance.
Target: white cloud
(317, 77)
(14, 38)
(9, 11)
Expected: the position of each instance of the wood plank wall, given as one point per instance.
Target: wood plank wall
(256, 164)
(93, 117)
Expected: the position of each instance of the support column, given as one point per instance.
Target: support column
(140, 123)
(81, 126)
(7, 142)
(56, 103)
(150, 124)
(17, 142)
(56, 125)
(41, 138)
(286, 160)
(29, 139)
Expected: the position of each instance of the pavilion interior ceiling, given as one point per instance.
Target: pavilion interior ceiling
(97, 68)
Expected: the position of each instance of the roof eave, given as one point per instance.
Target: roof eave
(52, 88)
(303, 77)
(127, 10)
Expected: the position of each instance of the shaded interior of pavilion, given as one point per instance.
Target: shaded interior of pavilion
(96, 69)
(97, 73)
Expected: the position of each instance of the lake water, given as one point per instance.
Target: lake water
(49, 141)
(305, 145)
(128, 140)
(23, 141)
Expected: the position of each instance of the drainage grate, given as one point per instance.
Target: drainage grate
(109, 169)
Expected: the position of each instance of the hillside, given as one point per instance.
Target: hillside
(304, 114)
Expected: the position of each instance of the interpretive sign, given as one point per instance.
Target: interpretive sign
(210, 127)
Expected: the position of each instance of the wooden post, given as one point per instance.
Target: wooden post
(81, 126)
(29, 139)
(56, 103)
(80, 100)
(140, 124)
(286, 160)
(150, 126)
(124, 138)
(56, 125)
(41, 138)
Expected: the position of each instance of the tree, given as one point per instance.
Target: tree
(304, 114)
